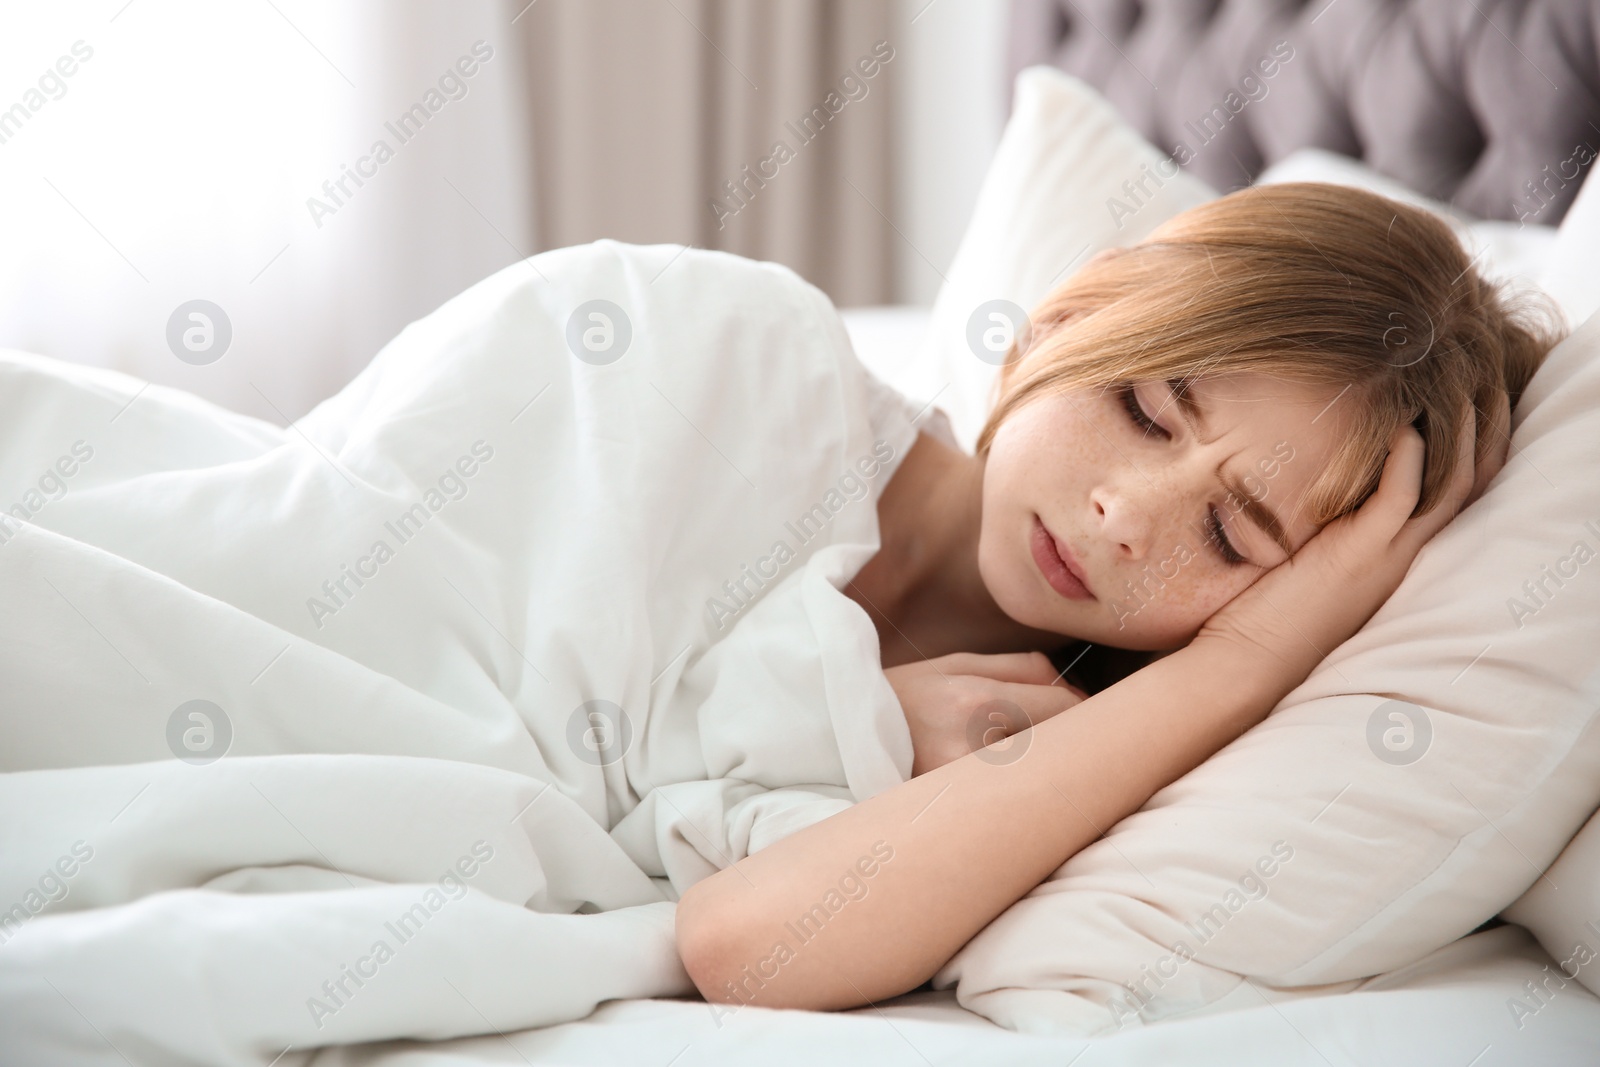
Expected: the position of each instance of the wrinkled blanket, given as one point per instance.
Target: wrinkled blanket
(414, 718)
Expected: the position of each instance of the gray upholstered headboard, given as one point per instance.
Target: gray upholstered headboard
(1493, 105)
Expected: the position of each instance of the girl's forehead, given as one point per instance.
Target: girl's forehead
(1215, 403)
(1289, 429)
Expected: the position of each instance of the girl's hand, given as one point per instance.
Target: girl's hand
(1298, 612)
(959, 703)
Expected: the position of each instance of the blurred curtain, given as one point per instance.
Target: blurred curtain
(153, 154)
(760, 127)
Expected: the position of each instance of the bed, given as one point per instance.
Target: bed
(1497, 994)
(1447, 1009)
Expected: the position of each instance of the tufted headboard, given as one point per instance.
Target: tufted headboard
(1491, 105)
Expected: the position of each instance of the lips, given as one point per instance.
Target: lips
(1054, 559)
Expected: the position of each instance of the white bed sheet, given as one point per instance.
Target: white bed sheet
(1448, 1010)
(350, 766)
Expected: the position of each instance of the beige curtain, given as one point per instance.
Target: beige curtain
(760, 127)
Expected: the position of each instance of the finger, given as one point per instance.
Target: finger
(1038, 702)
(1422, 528)
(1502, 432)
(1031, 667)
(1463, 473)
(1399, 486)
(1499, 451)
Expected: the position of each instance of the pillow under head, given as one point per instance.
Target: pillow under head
(1423, 776)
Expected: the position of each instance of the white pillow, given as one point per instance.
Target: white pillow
(1056, 192)
(1563, 911)
(1574, 263)
(1317, 849)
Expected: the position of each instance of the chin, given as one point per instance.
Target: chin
(1145, 635)
(1008, 587)
(1136, 642)
(1021, 593)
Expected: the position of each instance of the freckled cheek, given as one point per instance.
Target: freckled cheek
(1195, 600)
(1092, 439)
(1173, 613)
(1207, 595)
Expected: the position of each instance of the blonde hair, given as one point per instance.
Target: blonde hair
(1317, 284)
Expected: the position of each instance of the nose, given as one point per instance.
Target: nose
(1125, 521)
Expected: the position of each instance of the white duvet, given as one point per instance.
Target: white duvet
(413, 719)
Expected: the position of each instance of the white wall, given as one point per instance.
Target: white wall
(950, 109)
(178, 162)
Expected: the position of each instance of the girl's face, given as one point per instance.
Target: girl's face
(1134, 485)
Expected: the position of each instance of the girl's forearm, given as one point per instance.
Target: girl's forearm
(871, 902)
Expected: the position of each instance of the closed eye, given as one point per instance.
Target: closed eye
(1215, 533)
(1130, 401)
(1219, 538)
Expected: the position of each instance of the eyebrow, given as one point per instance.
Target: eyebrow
(1262, 516)
(1255, 510)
